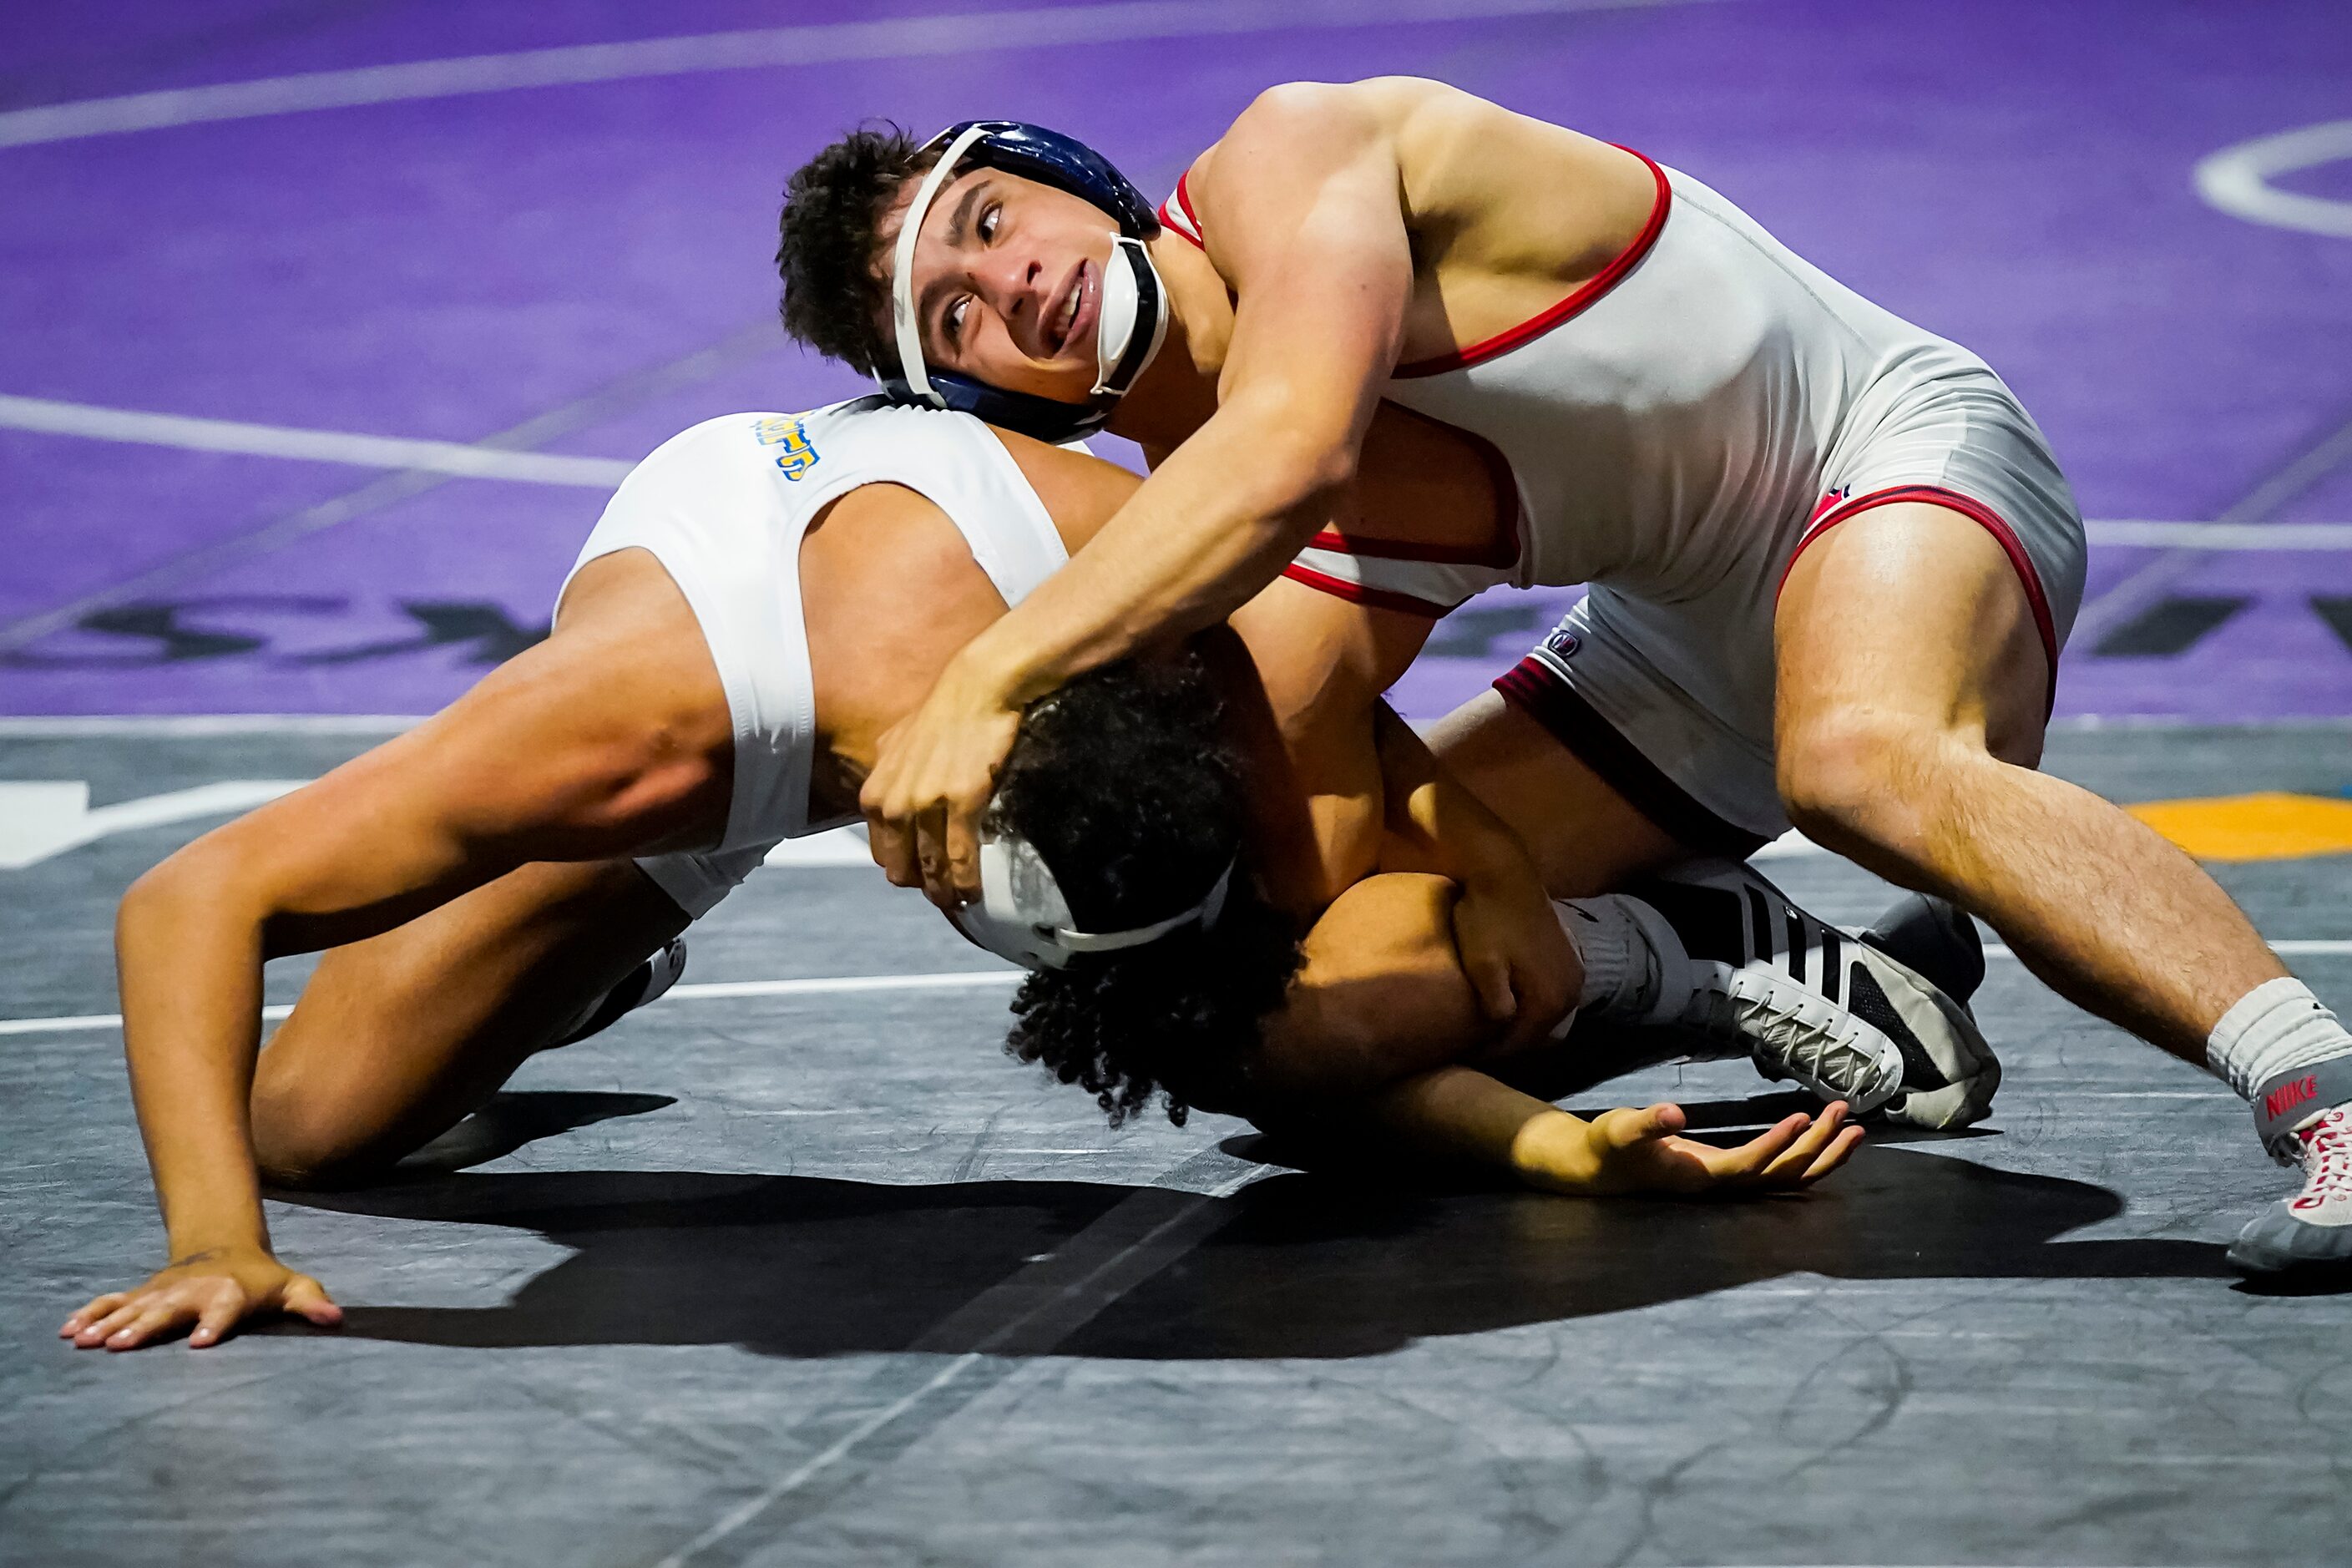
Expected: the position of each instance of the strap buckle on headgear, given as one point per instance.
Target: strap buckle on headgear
(1023, 916)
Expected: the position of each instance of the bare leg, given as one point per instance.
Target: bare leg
(1586, 838)
(397, 1038)
(1910, 710)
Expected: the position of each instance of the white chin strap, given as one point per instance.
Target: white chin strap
(1123, 288)
(1115, 321)
(1023, 916)
(902, 265)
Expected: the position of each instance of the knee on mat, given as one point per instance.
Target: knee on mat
(294, 1152)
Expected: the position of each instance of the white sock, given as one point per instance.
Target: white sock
(2276, 1028)
(1633, 962)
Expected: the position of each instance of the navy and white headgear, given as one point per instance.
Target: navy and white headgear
(1023, 916)
(1133, 317)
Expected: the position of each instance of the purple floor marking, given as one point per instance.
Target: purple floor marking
(2013, 175)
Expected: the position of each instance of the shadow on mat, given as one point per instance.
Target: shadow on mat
(1295, 1265)
(512, 1120)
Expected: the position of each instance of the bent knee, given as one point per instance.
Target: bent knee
(296, 1144)
(291, 1161)
(1871, 779)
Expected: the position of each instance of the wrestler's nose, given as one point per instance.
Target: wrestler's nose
(1015, 287)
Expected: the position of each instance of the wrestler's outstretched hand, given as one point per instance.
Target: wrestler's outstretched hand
(212, 1291)
(1640, 1151)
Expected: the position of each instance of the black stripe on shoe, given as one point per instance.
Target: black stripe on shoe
(1866, 1002)
(1707, 920)
(1832, 950)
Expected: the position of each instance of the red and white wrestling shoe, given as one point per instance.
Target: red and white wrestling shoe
(2306, 1120)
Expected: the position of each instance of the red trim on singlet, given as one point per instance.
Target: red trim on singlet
(1184, 199)
(1503, 551)
(1832, 511)
(1360, 594)
(1340, 543)
(1608, 278)
(1541, 693)
(1504, 342)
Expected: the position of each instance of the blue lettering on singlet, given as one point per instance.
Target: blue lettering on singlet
(797, 457)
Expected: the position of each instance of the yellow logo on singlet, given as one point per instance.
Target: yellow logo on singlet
(797, 457)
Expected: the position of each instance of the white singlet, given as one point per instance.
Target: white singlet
(723, 506)
(1675, 431)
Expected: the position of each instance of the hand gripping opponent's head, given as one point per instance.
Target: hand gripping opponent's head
(975, 272)
(1112, 866)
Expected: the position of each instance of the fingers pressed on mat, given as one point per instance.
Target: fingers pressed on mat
(1836, 1154)
(97, 1309)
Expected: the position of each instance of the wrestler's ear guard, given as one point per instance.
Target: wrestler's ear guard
(1132, 321)
(1023, 915)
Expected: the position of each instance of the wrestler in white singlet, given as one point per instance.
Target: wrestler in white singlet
(1676, 430)
(723, 507)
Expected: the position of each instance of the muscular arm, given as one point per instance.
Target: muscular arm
(597, 743)
(1375, 797)
(1314, 245)
(1369, 1056)
(1322, 664)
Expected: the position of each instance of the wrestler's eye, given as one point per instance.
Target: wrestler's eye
(953, 320)
(986, 227)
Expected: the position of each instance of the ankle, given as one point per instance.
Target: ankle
(1629, 957)
(2275, 1033)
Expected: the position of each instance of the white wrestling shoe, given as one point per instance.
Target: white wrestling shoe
(1926, 962)
(642, 985)
(2312, 1229)
(1811, 1003)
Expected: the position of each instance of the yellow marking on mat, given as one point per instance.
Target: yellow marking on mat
(2270, 826)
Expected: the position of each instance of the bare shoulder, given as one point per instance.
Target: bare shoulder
(1310, 108)
(1079, 490)
(1302, 121)
(880, 543)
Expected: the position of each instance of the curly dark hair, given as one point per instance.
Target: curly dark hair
(1124, 782)
(828, 235)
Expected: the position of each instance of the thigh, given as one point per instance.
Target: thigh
(1909, 617)
(396, 1038)
(1584, 835)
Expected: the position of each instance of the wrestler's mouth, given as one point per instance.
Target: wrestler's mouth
(1071, 312)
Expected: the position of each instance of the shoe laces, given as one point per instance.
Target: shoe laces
(2324, 1148)
(1790, 1027)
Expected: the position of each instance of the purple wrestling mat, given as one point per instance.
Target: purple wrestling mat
(324, 333)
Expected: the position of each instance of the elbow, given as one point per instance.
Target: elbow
(153, 894)
(1307, 472)
(188, 885)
